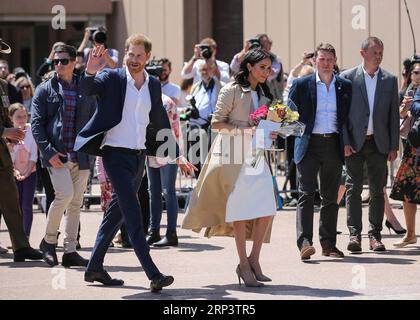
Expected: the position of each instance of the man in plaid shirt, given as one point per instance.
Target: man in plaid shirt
(60, 111)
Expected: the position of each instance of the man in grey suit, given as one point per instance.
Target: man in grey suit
(372, 136)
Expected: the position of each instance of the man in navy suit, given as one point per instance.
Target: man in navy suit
(323, 101)
(129, 124)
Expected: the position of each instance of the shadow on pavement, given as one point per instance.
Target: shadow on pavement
(360, 259)
(217, 292)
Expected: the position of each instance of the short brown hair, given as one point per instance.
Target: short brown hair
(325, 47)
(370, 41)
(65, 48)
(137, 40)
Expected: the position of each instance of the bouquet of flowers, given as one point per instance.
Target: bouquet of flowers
(283, 118)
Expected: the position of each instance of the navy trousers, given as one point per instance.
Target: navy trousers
(125, 172)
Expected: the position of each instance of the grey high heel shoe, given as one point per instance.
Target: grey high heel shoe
(258, 273)
(248, 278)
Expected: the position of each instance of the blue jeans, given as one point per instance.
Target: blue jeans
(26, 190)
(125, 172)
(162, 180)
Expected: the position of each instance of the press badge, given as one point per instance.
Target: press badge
(5, 101)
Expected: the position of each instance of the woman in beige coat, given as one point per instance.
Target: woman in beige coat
(229, 199)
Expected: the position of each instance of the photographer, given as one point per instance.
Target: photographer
(206, 50)
(205, 94)
(98, 37)
(275, 80)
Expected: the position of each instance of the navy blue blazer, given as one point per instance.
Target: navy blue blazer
(110, 87)
(304, 94)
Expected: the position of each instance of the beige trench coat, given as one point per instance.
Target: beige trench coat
(207, 206)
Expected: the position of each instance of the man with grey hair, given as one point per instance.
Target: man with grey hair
(371, 137)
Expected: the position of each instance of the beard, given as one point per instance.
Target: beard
(164, 78)
(135, 67)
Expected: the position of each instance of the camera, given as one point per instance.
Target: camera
(97, 35)
(154, 68)
(254, 43)
(206, 51)
(415, 59)
(192, 112)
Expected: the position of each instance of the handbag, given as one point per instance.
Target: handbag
(406, 126)
(413, 136)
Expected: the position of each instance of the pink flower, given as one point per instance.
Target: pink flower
(258, 115)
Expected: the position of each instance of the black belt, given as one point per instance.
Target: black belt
(325, 135)
(123, 150)
(370, 137)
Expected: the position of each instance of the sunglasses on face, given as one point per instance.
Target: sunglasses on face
(416, 73)
(64, 62)
(25, 87)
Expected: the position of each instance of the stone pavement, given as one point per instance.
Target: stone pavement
(205, 268)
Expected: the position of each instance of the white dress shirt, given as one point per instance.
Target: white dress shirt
(195, 73)
(206, 104)
(130, 133)
(171, 90)
(326, 110)
(371, 91)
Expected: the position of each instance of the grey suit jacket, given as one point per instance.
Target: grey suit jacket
(386, 119)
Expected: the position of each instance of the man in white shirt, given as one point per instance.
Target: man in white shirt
(169, 89)
(371, 137)
(126, 128)
(206, 50)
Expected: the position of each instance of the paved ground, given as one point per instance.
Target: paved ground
(205, 268)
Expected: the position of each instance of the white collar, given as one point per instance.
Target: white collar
(367, 74)
(130, 79)
(318, 79)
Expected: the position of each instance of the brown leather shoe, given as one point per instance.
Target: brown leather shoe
(306, 252)
(355, 245)
(376, 245)
(332, 252)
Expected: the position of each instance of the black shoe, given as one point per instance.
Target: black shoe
(160, 281)
(27, 253)
(103, 277)
(126, 245)
(74, 260)
(153, 237)
(390, 226)
(170, 240)
(48, 253)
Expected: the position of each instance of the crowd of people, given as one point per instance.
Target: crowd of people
(92, 110)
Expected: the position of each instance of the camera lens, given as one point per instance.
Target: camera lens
(99, 37)
(206, 52)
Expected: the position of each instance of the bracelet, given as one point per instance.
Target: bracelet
(90, 74)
